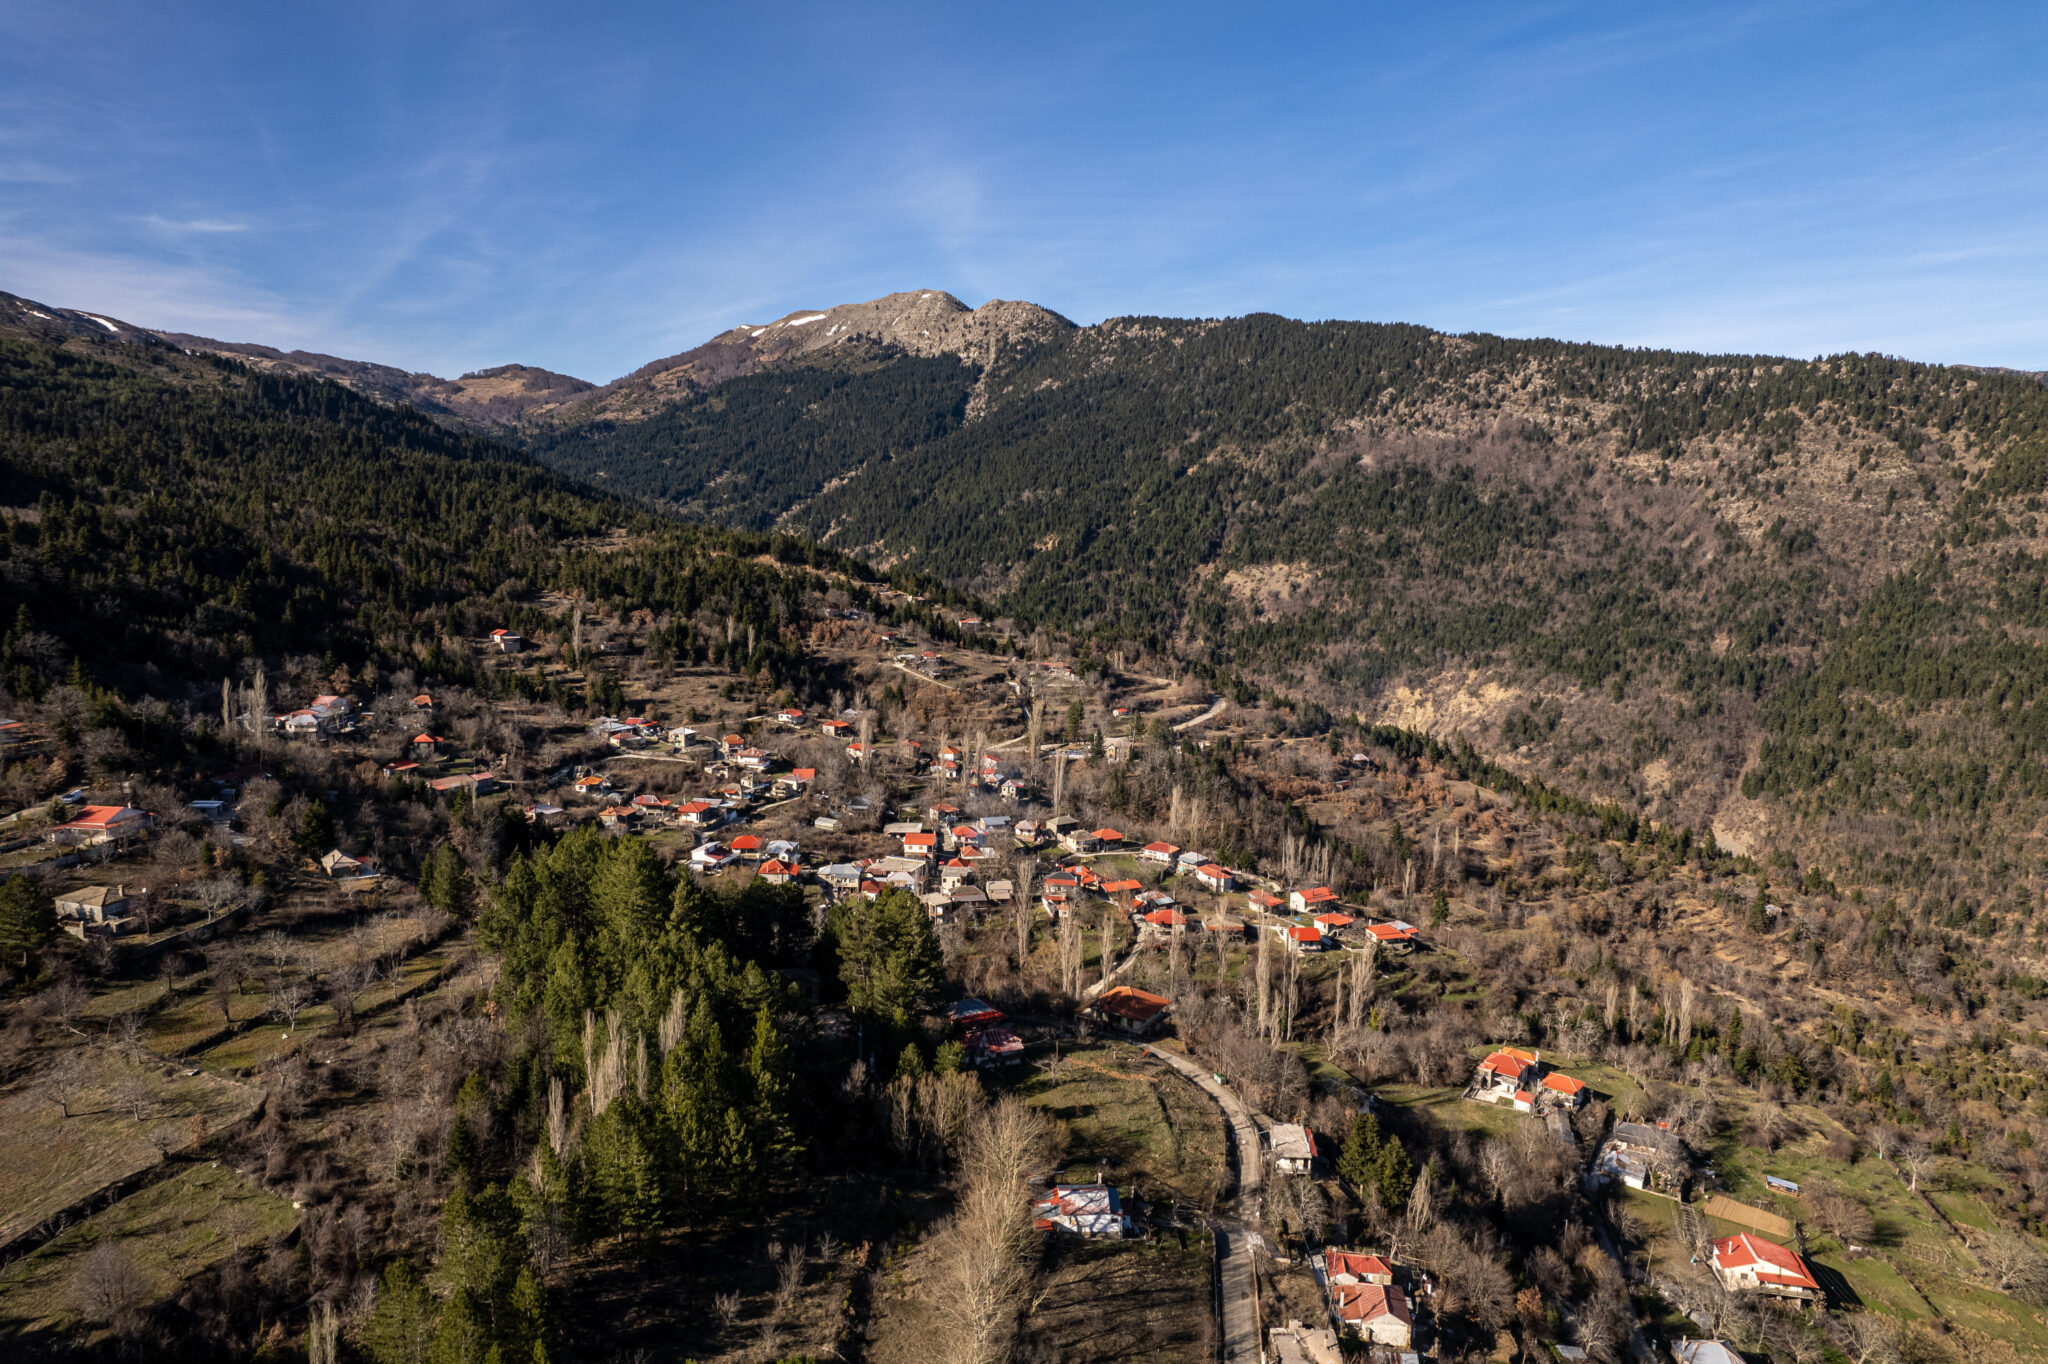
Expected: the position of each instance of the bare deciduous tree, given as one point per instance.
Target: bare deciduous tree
(107, 1283)
(289, 1000)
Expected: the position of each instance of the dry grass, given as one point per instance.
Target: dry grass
(48, 1162)
(172, 1230)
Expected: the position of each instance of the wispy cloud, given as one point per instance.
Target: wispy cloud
(204, 226)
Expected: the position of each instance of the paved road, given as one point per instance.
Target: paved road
(1233, 1244)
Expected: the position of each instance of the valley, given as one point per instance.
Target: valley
(689, 870)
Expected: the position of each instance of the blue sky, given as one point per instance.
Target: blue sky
(451, 186)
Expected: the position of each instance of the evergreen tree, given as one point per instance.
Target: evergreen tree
(889, 958)
(401, 1326)
(772, 1078)
(28, 916)
(445, 881)
(1358, 1160)
(316, 829)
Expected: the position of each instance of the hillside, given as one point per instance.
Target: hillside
(1629, 570)
(171, 517)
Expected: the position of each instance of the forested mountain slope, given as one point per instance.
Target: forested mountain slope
(1669, 577)
(168, 517)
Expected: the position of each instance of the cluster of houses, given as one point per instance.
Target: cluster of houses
(1521, 1078)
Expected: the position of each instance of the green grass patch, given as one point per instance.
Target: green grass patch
(1877, 1281)
(1136, 1121)
(1449, 1108)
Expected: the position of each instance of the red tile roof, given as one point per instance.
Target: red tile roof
(1370, 1302)
(103, 817)
(1127, 1001)
(1772, 1263)
(1360, 1267)
(1563, 1084)
(1510, 1062)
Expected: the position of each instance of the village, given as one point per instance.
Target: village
(985, 791)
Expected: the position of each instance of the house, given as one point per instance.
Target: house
(1347, 1267)
(1159, 852)
(93, 904)
(746, 845)
(953, 872)
(1397, 937)
(1000, 892)
(1265, 901)
(1504, 1072)
(1749, 1261)
(707, 856)
(338, 864)
(1081, 841)
(1091, 1210)
(592, 785)
(1127, 1009)
(1164, 920)
(505, 642)
(1222, 923)
(476, 783)
(1108, 838)
(778, 873)
(425, 745)
(835, 729)
(1213, 877)
(1301, 937)
(1311, 901)
(1378, 1312)
(988, 1048)
(922, 845)
(542, 810)
(102, 824)
(1331, 922)
(790, 715)
(841, 878)
(617, 816)
(1571, 1093)
(1294, 1148)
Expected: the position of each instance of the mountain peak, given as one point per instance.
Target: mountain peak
(920, 321)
